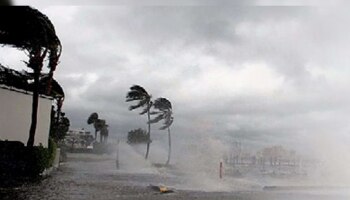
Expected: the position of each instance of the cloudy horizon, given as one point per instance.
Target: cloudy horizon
(263, 75)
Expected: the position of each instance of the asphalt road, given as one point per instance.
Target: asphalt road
(93, 177)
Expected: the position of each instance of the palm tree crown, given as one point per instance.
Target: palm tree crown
(165, 112)
(138, 93)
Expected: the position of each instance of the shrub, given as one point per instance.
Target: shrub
(16, 160)
(138, 136)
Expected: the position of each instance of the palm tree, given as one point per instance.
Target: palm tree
(28, 29)
(99, 124)
(164, 112)
(138, 93)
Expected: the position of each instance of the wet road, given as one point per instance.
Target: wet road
(93, 177)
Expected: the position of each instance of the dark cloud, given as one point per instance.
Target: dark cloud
(259, 74)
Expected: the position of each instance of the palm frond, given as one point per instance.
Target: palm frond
(138, 93)
(134, 95)
(162, 104)
(132, 107)
(167, 124)
(156, 119)
(147, 108)
(27, 28)
(154, 113)
(141, 103)
(92, 118)
(139, 89)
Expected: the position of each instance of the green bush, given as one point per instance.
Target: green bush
(37, 160)
(138, 136)
(18, 160)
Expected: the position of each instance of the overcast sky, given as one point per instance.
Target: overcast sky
(258, 74)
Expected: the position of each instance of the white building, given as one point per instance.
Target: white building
(15, 116)
(79, 138)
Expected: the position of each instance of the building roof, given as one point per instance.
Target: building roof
(22, 80)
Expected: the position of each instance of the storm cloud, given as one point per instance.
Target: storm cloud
(259, 74)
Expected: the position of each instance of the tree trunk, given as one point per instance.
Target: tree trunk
(35, 103)
(169, 151)
(149, 133)
(36, 63)
(59, 105)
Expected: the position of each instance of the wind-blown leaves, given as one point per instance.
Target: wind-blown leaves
(93, 117)
(28, 29)
(156, 119)
(162, 104)
(25, 27)
(164, 113)
(138, 93)
(147, 108)
(167, 123)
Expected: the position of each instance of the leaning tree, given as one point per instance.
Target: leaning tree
(163, 110)
(99, 125)
(29, 30)
(139, 94)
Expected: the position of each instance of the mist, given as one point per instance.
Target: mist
(259, 75)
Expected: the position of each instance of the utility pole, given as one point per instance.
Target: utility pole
(117, 155)
(220, 170)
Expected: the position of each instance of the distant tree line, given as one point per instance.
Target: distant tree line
(137, 136)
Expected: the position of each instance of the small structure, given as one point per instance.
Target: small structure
(79, 139)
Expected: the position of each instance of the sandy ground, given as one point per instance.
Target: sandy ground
(93, 177)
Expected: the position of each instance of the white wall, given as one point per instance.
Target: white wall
(15, 117)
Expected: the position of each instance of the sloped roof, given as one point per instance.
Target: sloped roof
(21, 80)
(13, 78)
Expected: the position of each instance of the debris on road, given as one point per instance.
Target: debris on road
(161, 188)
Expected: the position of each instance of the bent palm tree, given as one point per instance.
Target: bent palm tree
(164, 112)
(99, 124)
(29, 30)
(138, 93)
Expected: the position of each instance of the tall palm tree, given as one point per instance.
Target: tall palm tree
(99, 124)
(28, 29)
(138, 93)
(164, 112)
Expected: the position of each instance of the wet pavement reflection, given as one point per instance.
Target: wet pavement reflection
(94, 177)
